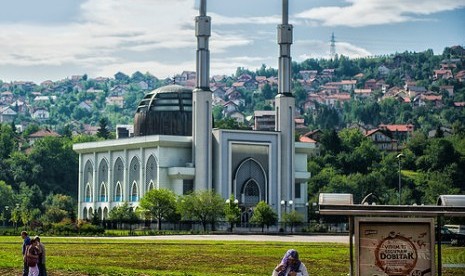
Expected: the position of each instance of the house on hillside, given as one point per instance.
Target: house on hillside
(264, 120)
(7, 114)
(6, 97)
(42, 134)
(460, 76)
(230, 107)
(448, 88)
(237, 116)
(444, 74)
(337, 100)
(382, 140)
(86, 105)
(348, 85)
(400, 132)
(115, 100)
(424, 99)
(383, 70)
(370, 84)
(446, 132)
(314, 135)
(362, 93)
(40, 114)
(308, 74)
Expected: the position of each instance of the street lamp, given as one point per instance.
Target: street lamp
(399, 157)
(285, 204)
(232, 212)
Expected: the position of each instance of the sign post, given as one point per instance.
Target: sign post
(394, 246)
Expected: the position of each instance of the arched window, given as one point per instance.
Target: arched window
(105, 213)
(251, 193)
(84, 213)
(150, 173)
(90, 215)
(151, 186)
(103, 192)
(134, 195)
(118, 196)
(118, 171)
(88, 197)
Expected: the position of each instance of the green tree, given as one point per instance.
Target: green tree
(293, 218)
(103, 131)
(159, 204)
(264, 215)
(55, 165)
(203, 206)
(58, 207)
(7, 141)
(123, 214)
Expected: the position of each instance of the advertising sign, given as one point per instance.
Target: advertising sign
(394, 246)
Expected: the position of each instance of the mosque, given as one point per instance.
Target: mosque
(176, 147)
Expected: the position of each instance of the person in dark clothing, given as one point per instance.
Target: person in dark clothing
(26, 243)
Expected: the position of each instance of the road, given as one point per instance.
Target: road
(242, 237)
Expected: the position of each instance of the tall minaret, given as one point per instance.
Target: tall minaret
(201, 103)
(285, 105)
(332, 47)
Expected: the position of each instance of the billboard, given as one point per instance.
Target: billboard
(394, 246)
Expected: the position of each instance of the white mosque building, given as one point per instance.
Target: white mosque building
(175, 147)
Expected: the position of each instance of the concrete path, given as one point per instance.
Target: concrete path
(242, 237)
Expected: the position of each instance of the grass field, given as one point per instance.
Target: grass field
(80, 256)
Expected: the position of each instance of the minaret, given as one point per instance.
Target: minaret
(332, 47)
(201, 104)
(285, 105)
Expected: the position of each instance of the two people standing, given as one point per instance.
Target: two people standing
(33, 256)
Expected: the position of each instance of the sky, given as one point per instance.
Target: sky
(55, 39)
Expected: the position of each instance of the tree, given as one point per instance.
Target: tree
(103, 131)
(54, 166)
(293, 218)
(123, 214)
(159, 204)
(58, 207)
(263, 215)
(203, 206)
(232, 212)
(7, 141)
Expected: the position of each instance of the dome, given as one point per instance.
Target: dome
(165, 111)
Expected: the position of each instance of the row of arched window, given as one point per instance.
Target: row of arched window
(103, 195)
(118, 194)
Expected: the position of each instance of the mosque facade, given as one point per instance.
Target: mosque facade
(176, 147)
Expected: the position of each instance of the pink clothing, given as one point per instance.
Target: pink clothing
(33, 271)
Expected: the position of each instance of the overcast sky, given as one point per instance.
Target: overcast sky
(55, 39)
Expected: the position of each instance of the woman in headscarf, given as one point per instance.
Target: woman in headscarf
(290, 265)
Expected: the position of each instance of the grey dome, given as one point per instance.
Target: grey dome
(165, 111)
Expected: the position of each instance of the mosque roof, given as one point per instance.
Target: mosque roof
(165, 111)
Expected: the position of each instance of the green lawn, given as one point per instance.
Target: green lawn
(80, 256)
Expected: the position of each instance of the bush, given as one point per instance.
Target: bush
(85, 228)
(318, 228)
(64, 227)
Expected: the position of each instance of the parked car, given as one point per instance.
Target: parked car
(447, 236)
(459, 229)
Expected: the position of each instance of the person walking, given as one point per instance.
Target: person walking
(290, 265)
(41, 263)
(26, 243)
